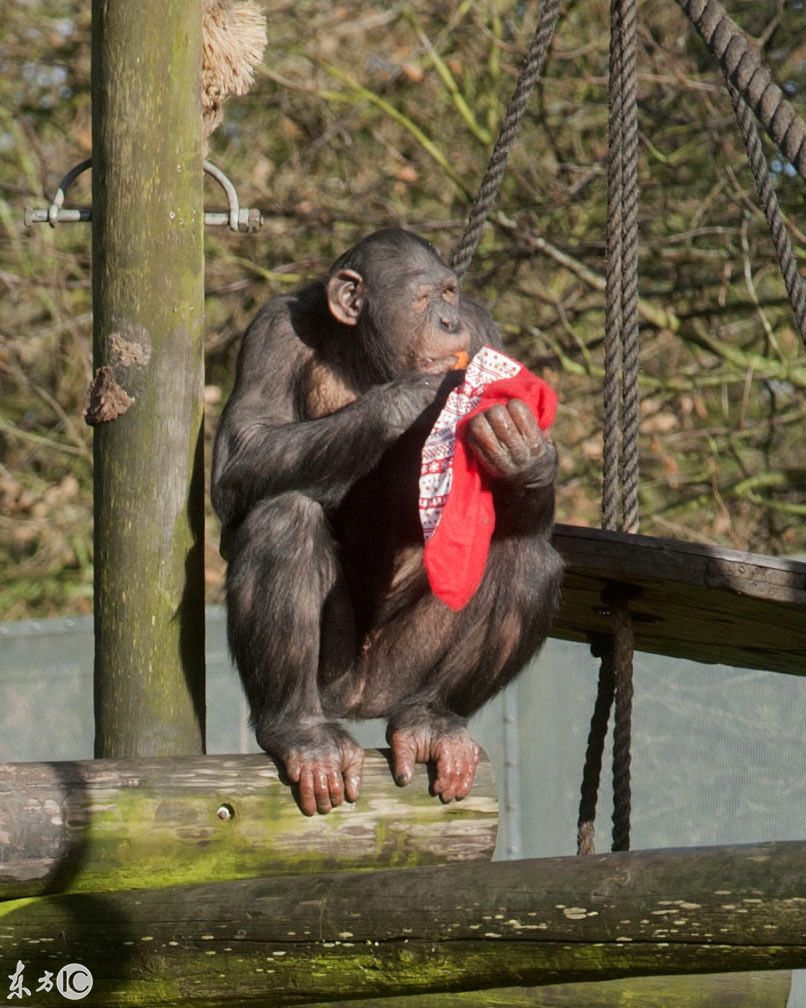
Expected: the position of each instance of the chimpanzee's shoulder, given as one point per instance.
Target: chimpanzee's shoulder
(274, 313)
(272, 328)
(283, 322)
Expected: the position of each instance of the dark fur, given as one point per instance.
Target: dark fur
(315, 480)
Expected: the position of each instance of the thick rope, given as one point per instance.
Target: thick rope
(629, 277)
(623, 643)
(494, 175)
(794, 283)
(620, 460)
(620, 454)
(591, 774)
(614, 320)
(742, 67)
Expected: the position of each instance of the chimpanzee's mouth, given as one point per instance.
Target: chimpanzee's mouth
(456, 361)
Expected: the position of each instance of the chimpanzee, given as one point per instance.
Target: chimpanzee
(315, 479)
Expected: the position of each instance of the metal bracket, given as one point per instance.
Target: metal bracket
(236, 217)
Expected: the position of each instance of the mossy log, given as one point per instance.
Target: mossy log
(716, 990)
(424, 930)
(133, 824)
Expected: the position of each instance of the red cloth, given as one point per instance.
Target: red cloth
(456, 554)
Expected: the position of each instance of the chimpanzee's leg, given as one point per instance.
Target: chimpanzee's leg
(282, 573)
(430, 668)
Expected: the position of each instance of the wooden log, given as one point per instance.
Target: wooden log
(687, 600)
(147, 398)
(716, 990)
(133, 824)
(460, 927)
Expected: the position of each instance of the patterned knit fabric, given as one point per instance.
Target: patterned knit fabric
(456, 501)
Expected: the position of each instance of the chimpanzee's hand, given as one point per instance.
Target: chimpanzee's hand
(410, 398)
(510, 445)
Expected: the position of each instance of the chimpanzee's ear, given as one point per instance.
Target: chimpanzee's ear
(345, 296)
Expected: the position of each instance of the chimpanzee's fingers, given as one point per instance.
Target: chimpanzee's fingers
(335, 786)
(306, 790)
(502, 444)
(444, 777)
(404, 756)
(501, 423)
(466, 771)
(526, 424)
(485, 442)
(321, 774)
(457, 760)
(352, 772)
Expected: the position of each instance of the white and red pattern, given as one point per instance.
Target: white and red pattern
(436, 472)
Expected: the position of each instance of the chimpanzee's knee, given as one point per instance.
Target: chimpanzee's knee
(281, 527)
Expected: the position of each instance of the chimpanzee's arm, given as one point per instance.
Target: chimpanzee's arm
(263, 449)
(257, 458)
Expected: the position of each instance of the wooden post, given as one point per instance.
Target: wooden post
(147, 395)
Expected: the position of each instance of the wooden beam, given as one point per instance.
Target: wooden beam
(147, 399)
(717, 990)
(687, 600)
(133, 824)
(424, 930)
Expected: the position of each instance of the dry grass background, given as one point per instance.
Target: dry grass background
(367, 114)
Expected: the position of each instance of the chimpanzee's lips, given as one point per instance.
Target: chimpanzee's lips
(456, 361)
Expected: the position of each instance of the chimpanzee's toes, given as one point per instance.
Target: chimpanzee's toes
(326, 773)
(457, 757)
(453, 755)
(405, 753)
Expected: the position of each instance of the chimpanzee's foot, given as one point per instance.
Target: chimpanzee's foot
(441, 740)
(324, 763)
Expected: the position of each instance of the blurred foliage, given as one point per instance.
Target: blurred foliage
(368, 114)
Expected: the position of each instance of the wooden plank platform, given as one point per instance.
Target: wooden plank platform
(687, 600)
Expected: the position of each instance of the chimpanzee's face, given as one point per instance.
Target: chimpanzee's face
(418, 313)
(403, 303)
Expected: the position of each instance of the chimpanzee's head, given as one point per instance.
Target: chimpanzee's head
(403, 301)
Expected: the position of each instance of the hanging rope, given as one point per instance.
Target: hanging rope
(493, 176)
(742, 67)
(794, 283)
(623, 643)
(620, 453)
(592, 771)
(752, 89)
(620, 464)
